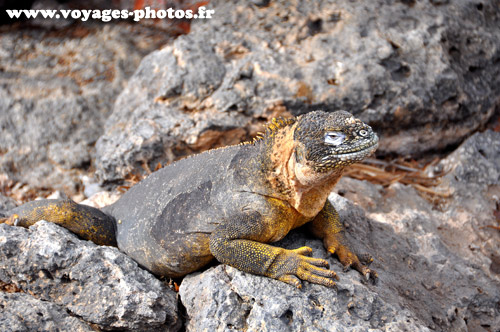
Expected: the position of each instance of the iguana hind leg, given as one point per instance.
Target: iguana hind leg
(87, 222)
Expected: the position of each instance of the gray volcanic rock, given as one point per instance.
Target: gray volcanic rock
(224, 298)
(425, 74)
(56, 89)
(438, 269)
(99, 284)
(475, 164)
(23, 313)
(6, 204)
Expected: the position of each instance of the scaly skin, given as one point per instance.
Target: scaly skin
(87, 222)
(230, 203)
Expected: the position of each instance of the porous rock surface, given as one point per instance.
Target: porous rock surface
(438, 268)
(424, 74)
(6, 204)
(57, 87)
(66, 277)
(37, 315)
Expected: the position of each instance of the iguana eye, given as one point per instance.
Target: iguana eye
(334, 138)
(363, 133)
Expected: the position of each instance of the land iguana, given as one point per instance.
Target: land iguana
(230, 203)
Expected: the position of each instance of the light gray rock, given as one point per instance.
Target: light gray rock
(475, 163)
(99, 284)
(57, 87)
(23, 313)
(424, 74)
(224, 299)
(474, 181)
(438, 270)
(6, 204)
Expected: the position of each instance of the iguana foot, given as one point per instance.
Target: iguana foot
(349, 259)
(291, 266)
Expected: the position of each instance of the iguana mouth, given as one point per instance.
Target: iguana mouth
(370, 147)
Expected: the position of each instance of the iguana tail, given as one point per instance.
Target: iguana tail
(87, 222)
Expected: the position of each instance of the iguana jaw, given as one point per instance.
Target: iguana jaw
(310, 189)
(342, 159)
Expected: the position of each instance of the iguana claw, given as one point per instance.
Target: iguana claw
(351, 260)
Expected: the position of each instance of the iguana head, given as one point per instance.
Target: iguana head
(330, 141)
(302, 159)
(305, 156)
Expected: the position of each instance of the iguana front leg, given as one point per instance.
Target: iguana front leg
(237, 243)
(327, 226)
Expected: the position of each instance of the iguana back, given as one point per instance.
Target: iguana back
(166, 216)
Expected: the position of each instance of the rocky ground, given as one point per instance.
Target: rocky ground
(424, 74)
(57, 87)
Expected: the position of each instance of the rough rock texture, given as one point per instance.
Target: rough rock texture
(425, 74)
(438, 269)
(224, 298)
(24, 313)
(6, 204)
(56, 89)
(99, 284)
